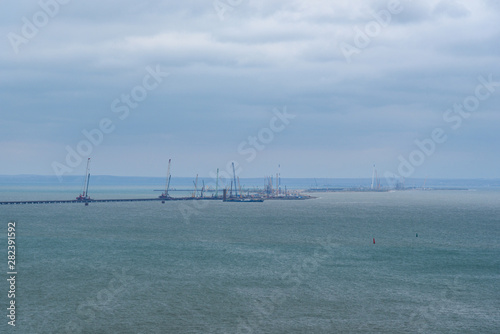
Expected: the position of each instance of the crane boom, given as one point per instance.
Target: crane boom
(234, 177)
(84, 196)
(196, 187)
(87, 177)
(279, 178)
(87, 188)
(217, 184)
(167, 182)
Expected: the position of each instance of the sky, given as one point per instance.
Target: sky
(307, 88)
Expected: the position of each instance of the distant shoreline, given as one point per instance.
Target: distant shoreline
(308, 184)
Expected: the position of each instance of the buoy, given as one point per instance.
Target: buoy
(374, 241)
(417, 235)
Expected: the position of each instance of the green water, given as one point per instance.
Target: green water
(273, 267)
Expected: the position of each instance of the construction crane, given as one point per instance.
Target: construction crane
(217, 184)
(167, 182)
(85, 192)
(234, 177)
(195, 186)
(279, 178)
(269, 186)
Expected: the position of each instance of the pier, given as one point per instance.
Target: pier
(156, 199)
(109, 200)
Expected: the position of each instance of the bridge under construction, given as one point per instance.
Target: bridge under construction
(109, 200)
(268, 194)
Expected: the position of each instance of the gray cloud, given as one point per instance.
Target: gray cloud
(227, 76)
(451, 8)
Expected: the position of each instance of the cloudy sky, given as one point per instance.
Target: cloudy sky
(322, 88)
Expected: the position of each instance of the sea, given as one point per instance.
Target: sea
(414, 261)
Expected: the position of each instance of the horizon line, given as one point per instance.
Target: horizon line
(250, 177)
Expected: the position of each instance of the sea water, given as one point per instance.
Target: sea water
(388, 262)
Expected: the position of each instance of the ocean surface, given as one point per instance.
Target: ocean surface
(274, 267)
